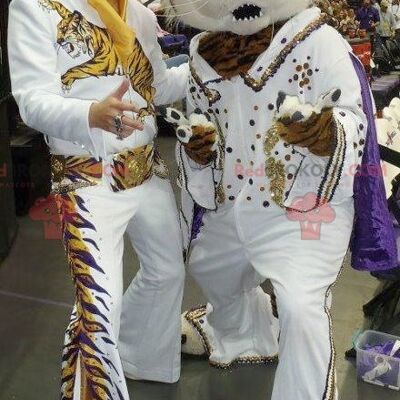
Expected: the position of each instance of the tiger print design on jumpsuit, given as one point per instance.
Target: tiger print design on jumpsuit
(74, 31)
(88, 334)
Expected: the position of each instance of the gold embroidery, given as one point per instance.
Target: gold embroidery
(274, 169)
(220, 193)
(194, 316)
(160, 168)
(258, 84)
(71, 187)
(220, 162)
(331, 379)
(271, 140)
(57, 165)
(331, 376)
(212, 95)
(74, 172)
(131, 168)
(249, 360)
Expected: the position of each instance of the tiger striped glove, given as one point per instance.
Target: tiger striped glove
(305, 125)
(198, 135)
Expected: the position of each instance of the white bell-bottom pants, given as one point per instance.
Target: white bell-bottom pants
(110, 334)
(240, 247)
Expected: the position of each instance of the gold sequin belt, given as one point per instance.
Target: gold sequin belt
(128, 169)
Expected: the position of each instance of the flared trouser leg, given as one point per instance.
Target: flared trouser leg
(150, 340)
(239, 322)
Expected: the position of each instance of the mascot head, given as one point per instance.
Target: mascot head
(243, 17)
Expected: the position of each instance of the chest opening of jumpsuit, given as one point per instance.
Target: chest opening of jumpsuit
(243, 107)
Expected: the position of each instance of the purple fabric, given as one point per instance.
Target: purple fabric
(395, 210)
(384, 348)
(373, 244)
(381, 371)
(376, 369)
(366, 16)
(172, 40)
(197, 223)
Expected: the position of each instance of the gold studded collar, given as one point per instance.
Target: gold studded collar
(205, 76)
(257, 84)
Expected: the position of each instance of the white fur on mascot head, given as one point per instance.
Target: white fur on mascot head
(243, 17)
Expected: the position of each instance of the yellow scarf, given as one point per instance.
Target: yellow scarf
(113, 15)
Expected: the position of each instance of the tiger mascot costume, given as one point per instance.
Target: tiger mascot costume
(272, 160)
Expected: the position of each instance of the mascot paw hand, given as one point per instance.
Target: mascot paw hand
(204, 131)
(198, 135)
(178, 119)
(308, 126)
(291, 110)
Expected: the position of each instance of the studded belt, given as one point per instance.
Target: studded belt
(128, 169)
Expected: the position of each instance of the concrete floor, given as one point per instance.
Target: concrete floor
(36, 297)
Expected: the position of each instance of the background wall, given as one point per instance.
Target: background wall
(8, 223)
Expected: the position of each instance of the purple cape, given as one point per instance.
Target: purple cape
(373, 243)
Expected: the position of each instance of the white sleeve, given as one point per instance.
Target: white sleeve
(336, 72)
(199, 181)
(349, 111)
(170, 84)
(36, 82)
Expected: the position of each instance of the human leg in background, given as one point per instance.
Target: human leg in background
(150, 322)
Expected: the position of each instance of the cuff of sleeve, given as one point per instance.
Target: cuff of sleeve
(198, 183)
(353, 134)
(90, 139)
